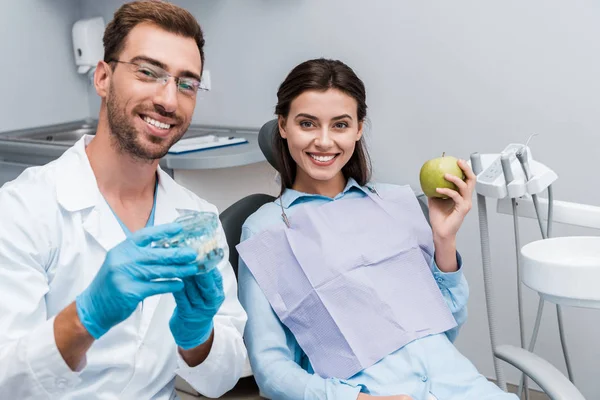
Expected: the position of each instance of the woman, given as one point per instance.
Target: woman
(346, 298)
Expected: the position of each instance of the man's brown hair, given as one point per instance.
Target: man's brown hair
(167, 16)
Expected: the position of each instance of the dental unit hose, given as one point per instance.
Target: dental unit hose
(561, 332)
(487, 273)
(559, 313)
(523, 157)
(508, 177)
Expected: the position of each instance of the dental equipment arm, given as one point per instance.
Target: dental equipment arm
(522, 176)
(523, 157)
(509, 177)
(487, 271)
(551, 380)
(558, 309)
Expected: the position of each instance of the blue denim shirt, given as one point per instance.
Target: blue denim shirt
(281, 368)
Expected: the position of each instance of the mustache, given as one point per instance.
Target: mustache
(162, 112)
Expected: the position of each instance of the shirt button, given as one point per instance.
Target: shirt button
(440, 280)
(61, 383)
(424, 378)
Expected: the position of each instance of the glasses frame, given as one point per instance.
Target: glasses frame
(163, 76)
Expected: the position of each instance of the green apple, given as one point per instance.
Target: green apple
(432, 175)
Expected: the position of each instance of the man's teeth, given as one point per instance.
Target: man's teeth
(156, 123)
(322, 158)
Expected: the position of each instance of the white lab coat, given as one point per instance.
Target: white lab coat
(55, 231)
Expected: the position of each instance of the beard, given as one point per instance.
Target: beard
(129, 140)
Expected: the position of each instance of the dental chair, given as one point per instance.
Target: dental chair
(548, 378)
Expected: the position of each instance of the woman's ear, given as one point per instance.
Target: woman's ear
(281, 124)
(360, 131)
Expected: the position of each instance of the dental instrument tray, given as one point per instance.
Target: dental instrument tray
(200, 233)
(204, 142)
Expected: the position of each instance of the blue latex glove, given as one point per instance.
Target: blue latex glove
(197, 304)
(126, 278)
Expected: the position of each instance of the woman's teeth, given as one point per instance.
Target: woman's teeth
(156, 123)
(322, 158)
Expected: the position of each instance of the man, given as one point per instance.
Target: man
(88, 309)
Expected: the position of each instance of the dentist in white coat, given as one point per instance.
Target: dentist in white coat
(82, 314)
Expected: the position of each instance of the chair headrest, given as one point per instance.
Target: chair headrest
(265, 141)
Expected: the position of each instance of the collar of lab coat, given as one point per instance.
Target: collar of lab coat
(77, 190)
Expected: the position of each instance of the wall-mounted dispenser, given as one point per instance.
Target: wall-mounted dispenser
(87, 44)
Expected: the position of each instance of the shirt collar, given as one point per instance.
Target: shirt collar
(291, 196)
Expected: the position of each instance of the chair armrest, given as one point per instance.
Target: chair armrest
(550, 379)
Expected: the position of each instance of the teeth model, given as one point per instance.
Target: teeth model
(199, 233)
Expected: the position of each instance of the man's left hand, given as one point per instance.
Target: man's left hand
(197, 304)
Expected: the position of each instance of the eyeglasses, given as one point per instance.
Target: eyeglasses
(147, 72)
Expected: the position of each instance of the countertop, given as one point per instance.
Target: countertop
(223, 157)
(15, 147)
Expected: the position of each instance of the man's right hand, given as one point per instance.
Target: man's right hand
(128, 276)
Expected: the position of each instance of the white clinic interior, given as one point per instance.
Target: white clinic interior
(456, 77)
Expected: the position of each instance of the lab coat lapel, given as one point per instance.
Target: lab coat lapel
(103, 226)
(77, 191)
(171, 199)
(166, 210)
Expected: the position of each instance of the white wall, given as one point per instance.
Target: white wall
(38, 78)
(458, 77)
